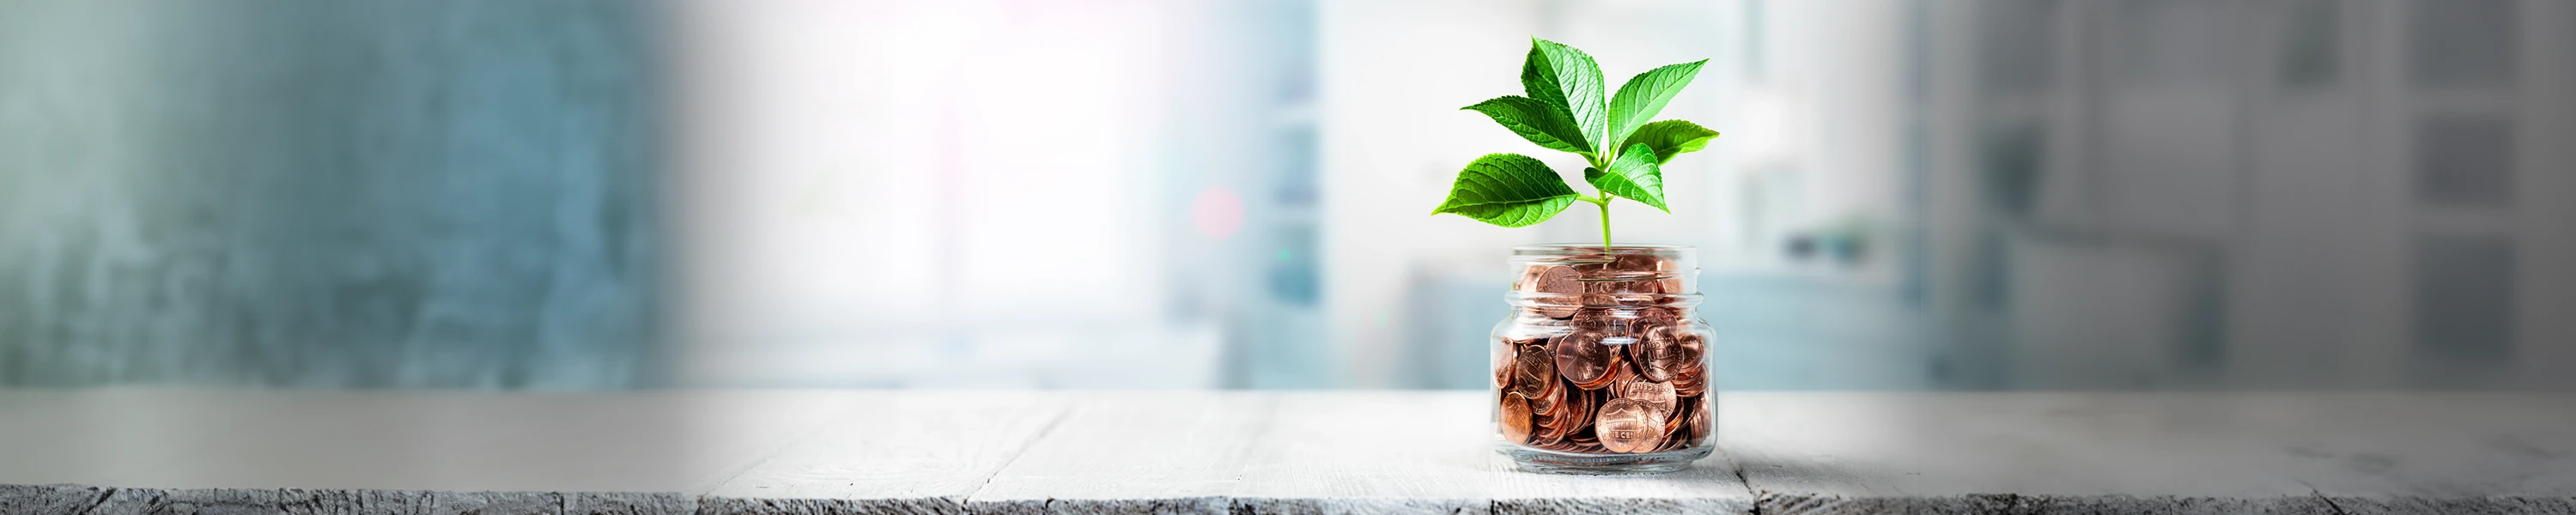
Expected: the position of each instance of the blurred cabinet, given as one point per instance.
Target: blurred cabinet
(2338, 192)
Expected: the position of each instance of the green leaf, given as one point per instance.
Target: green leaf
(1634, 175)
(1563, 76)
(1645, 95)
(1509, 190)
(1669, 138)
(1537, 121)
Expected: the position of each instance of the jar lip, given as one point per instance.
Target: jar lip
(1613, 301)
(1614, 249)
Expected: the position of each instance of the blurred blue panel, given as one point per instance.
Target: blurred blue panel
(2464, 161)
(362, 194)
(2464, 299)
(2462, 43)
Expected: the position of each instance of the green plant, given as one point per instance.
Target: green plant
(1566, 111)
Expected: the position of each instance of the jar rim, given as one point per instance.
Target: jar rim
(1617, 302)
(1614, 249)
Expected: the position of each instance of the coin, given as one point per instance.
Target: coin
(1508, 350)
(1628, 426)
(1583, 442)
(1578, 406)
(1616, 284)
(1515, 418)
(1560, 285)
(1680, 418)
(1533, 368)
(1703, 419)
(1620, 373)
(1641, 263)
(1676, 434)
(1593, 319)
(1658, 395)
(1550, 429)
(1659, 355)
(1687, 385)
(1691, 350)
(1670, 286)
(1550, 403)
(1653, 317)
(1581, 358)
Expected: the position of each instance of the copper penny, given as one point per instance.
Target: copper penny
(1593, 319)
(1659, 355)
(1550, 429)
(1581, 358)
(1583, 442)
(1550, 403)
(1655, 317)
(1533, 368)
(1641, 263)
(1679, 423)
(1508, 351)
(1514, 418)
(1703, 416)
(1628, 426)
(1613, 285)
(1619, 373)
(1692, 350)
(1689, 385)
(1561, 288)
(1658, 395)
(1675, 435)
(1578, 407)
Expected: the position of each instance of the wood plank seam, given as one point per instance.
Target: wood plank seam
(784, 444)
(1042, 434)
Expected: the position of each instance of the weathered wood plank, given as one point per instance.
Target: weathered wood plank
(1425, 453)
(2159, 453)
(1135, 452)
(681, 443)
(1710, 486)
(83, 500)
(895, 453)
(1210, 452)
(1411, 452)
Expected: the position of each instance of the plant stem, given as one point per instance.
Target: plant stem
(1602, 162)
(1605, 222)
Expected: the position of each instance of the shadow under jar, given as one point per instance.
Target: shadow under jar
(1602, 367)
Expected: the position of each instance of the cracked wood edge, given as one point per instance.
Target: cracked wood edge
(85, 500)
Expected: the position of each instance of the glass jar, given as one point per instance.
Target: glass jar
(1602, 366)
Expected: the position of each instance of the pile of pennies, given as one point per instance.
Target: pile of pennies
(1623, 375)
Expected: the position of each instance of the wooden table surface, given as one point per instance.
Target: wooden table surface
(109, 452)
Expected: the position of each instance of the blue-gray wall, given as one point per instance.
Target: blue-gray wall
(327, 194)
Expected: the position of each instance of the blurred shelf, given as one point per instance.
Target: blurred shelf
(849, 451)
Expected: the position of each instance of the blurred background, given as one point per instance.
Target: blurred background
(1910, 194)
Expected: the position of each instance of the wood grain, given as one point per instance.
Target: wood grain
(904, 453)
(1373, 453)
(2162, 453)
(148, 452)
(1135, 452)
